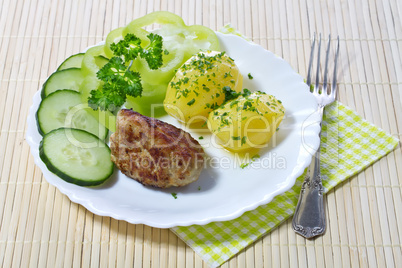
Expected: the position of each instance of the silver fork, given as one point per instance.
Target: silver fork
(309, 217)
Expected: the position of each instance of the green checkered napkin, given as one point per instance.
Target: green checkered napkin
(349, 144)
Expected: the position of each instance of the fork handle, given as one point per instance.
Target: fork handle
(309, 217)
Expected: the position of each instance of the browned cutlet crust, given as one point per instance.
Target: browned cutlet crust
(153, 152)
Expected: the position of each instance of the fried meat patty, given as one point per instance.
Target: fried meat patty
(153, 152)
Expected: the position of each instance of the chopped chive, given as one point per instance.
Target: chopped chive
(191, 102)
(242, 166)
(243, 140)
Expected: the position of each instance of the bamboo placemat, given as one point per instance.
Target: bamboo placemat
(40, 227)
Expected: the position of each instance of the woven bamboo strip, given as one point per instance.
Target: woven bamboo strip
(96, 241)
(62, 236)
(3, 15)
(9, 49)
(6, 23)
(181, 253)
(121, 243)
(172, 257)
(377, 177)
(342, 225)
(112, 229)
(78, 234)
(12, 208)
(388, 212)
(9, 151)
(359, 194)
(129, 258)
(393, 67)
(102, 225)
(86, 240)
(26, 171)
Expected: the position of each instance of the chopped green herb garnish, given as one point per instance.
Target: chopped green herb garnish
(204, 87)
(250, 76)
(243, 140)
(200, 137)
(246, 92)
(174, 195)
(237, 138)
(244, 165)
(227, 74)
(229, 93)
(191, 102)
(255, 157)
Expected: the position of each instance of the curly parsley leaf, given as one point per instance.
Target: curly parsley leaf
(112, 71)
(106, 99)
(129, 47)
(153, 53)
(118, 78)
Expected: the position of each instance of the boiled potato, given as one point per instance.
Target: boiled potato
(246, 122)
(200, 85)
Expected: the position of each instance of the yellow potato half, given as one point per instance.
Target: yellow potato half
(247, 122)
(199, 86)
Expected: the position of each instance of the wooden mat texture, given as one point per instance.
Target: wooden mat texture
(40, 227)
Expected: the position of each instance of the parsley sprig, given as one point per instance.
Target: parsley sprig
(118, 78)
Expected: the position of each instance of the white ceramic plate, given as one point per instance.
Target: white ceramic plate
(224, 191)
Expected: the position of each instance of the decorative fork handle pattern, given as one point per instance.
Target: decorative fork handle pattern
(309, 217)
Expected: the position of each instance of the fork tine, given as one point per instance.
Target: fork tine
(325, 83)
(310, 65)
(334, 88)
(317, 78)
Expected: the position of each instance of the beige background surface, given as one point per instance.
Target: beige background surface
(40, 227)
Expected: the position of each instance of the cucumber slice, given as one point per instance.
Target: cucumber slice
(63, 108)
(65, 79)
(76, 156)
(74, 61)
